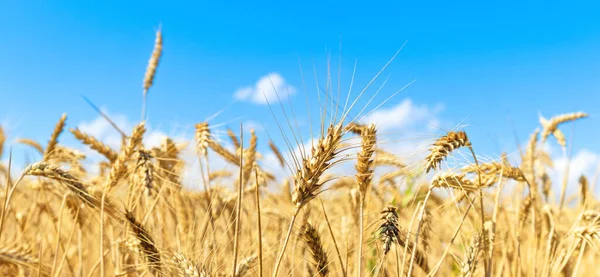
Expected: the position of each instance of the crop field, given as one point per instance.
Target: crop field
(449, 210)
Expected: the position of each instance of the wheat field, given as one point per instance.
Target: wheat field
(387, 217)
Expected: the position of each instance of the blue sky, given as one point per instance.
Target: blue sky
(480, 63)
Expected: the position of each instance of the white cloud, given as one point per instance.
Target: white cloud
(584, 162)
(270, 88)
(404, 115)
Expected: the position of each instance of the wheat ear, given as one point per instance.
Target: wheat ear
(95, 144)
(364, 175)
(54, 138)
(151, 69)
(183, 267)
(443, 146)
(234, 139)
(313, 241)
(306, 179)
(147, 244)
(28, 142)
(2, 140)
(277, 153)
(550, 127)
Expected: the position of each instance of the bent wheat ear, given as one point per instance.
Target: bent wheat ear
(443, 146)
(356, 128)
(26, 141)
(551, 126)
(496, 168)
(55, 173)
(146, 243)
(453, 181)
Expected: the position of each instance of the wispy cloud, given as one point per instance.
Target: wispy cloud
(268, 89)
(404, 115)
(583, 162)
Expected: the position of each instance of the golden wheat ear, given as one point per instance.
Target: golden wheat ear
(147, 245)
(472, 255)
(28, 142)
(389, 231)
(60, 125)
(151, 69)
(313, 240)
(550, 127)
(443, 146)
(181, 266)
(3, 140)
(63, 177)
(95, 144)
